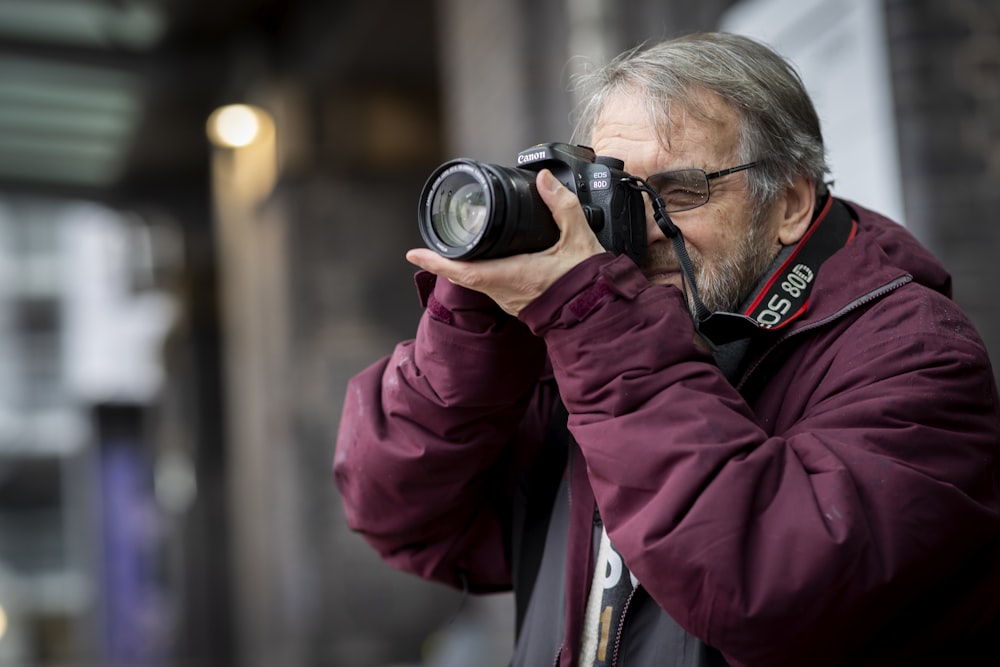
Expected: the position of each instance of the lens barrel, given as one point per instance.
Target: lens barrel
(471, 210)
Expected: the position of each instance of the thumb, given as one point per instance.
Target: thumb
(575, 235)
(564, 204)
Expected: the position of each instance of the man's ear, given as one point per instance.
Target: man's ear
(795, 210)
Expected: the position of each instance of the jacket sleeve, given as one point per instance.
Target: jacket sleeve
(774, 541)
(422, 458)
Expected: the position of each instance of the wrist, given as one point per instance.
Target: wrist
(576, 294)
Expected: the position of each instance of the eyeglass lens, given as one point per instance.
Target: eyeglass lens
(681, 190)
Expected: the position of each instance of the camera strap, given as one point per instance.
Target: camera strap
(676, 237)
(784, 293)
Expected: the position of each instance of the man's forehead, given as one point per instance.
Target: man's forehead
(690, 130)
(693, 116)
(697, 117)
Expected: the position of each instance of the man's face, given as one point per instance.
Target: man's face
(728, 248)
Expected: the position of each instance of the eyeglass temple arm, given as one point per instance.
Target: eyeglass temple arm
(731, 170)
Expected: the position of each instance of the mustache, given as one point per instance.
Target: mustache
(661, 257)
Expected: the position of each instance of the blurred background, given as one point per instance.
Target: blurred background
(204, 206)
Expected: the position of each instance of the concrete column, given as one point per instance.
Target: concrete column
(503, 76)
(944, 59)
(263, 522)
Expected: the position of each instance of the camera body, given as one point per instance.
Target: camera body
(471, 210)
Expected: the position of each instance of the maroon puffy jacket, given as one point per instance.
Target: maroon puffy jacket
(839, 504)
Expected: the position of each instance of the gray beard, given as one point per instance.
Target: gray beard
(726, 285)
(723, 288)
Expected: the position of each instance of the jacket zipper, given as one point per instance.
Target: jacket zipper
(621, 627)
(857, 303)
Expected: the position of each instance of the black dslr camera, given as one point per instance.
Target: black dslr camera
(471, 210)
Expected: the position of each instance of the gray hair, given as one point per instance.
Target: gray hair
(778, 124)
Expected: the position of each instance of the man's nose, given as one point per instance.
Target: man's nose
(653, 231)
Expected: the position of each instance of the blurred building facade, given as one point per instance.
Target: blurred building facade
(177, 327)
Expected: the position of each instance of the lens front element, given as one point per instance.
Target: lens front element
(459, 210)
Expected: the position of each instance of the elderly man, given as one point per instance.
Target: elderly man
(802, 472)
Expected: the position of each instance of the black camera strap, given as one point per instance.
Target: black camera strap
(676, 237)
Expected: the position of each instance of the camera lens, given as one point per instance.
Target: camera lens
(471, 210)
(459, 209)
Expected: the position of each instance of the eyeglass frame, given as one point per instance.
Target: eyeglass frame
(709, 177)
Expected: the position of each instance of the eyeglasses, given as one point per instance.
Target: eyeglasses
(684, 189)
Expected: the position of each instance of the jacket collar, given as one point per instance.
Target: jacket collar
(783, 296)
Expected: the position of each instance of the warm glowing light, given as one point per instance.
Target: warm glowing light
(3, 622)
(235, 125)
